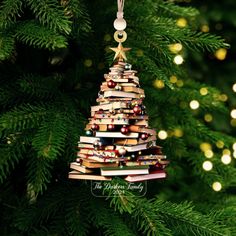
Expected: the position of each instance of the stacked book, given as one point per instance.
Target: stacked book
(118, 140)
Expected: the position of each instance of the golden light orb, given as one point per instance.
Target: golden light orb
(194, 104)
(162, 134)
(217, 186)
(207, 165)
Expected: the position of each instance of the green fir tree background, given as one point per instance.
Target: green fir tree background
(53, 55)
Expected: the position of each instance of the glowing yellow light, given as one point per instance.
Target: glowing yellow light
(181, 22)
(159, 84)
(209, 153)
(208, 118)
(175, 48)
(205, 28)
(205, 146)
(180, 83)
(194, 104)
(226, 152)
(207, 165)
(203, 91)
(233, 122)
(88, 63)
(217, 186)
(234, 87)
(234, 146)
(178, 133)
(220, 144)
(226, 159)
(220, 54)
(173, 79)
(178, 60)
(162, 134)
(233, 113)
(223, 97)
(234, 154)
(139, 53)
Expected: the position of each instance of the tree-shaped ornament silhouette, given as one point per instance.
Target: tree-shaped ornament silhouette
(118, 140)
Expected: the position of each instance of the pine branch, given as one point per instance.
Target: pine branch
(190, 221)
(49, 140)
(104, 217)
(39, 86)
(38, 175)
(32, 216)
(10, 155)
(9, 11)
(150, 222)
(77, 10)
(76, 214)
(22, 117)
(7, 45)
(36, 35)
(50, 14)
(171, 9)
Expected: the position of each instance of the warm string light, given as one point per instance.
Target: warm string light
(162, 134)
(233, 113)
(181, 22)
(223, 97)
(178, 60)
(203, 91)
(208, 117)
(220, 144)
(205, 146)
(234, 87)
(194, 104)
(217, 186)
(205, 28)
(173, 79)
(207, 165)
(226, 159)
(159, 84)
(221, 53)
(175, 48)
(209, 153)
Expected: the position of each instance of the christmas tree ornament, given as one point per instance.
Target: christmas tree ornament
(118, 87)
(121, 151)
(110, 127)
(128, 66)
(144, 136)
(124, 130)
(128, 150)
(111, 84)
(89, 133)
(95, 127)
(137, 110)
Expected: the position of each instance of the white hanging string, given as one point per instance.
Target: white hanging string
(120, 5)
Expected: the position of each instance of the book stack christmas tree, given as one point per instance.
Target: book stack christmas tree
(119, 141)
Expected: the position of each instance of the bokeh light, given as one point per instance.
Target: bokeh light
(162, 134)
(194, 104)
(217, 186)
(226, 159)
(178, 60)
(207, 165)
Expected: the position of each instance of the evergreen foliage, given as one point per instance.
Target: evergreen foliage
(52, 61)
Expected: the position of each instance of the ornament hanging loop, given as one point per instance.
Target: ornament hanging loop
(120, 23)
(120, 36)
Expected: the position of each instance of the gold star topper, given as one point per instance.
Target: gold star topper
(120, 52)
